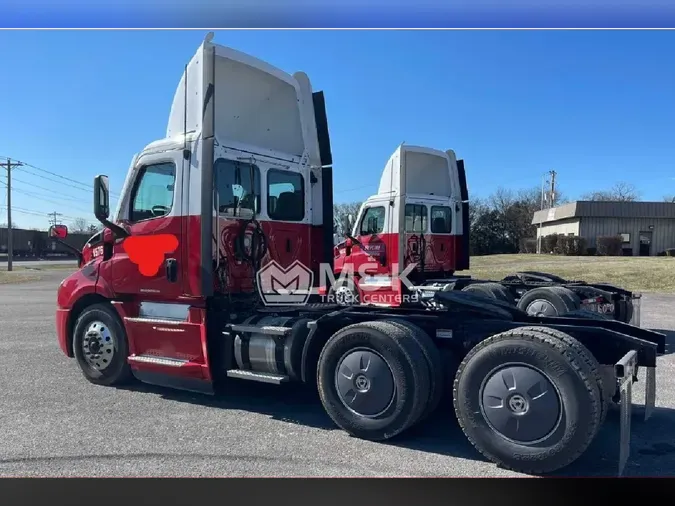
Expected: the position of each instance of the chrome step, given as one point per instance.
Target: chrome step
(161, 321)
(262, 377)
(151, 359)
(262, 329)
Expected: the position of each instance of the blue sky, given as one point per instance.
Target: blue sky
(597, 107)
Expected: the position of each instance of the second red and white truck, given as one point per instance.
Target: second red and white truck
(418, 224)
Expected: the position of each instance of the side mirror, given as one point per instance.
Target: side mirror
(101, 198)
(58, 231)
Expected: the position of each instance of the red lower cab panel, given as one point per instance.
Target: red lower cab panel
(168, 351)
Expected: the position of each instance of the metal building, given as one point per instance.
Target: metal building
(647, 228)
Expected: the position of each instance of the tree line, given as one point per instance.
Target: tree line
(502, 221)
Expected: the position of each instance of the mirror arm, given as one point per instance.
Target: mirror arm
(77, 252)
(116, 229)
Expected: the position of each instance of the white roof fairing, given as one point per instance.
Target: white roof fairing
(416, 170)
(256, 104)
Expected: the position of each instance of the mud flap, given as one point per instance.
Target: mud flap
(625, 369)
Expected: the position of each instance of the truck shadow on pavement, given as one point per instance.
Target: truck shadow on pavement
(652, 451)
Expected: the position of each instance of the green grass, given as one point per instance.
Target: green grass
(23, 274)
(649, 274)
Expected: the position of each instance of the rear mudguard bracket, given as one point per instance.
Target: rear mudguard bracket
(625, 369)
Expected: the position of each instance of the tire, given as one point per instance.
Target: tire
(102, 321)
(351, 294)
(433, 360)
(388, 343)
(549, 301)
(588, 362)
(567, 420)
(492, 291)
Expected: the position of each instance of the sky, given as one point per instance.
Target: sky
(595, 106)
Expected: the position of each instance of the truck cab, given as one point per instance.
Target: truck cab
(417, 220)
(242, 178)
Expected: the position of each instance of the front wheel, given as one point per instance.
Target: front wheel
(100, 346)
(344, 293)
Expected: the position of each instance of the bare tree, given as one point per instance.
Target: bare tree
(4, 225)
(620, 192)
(340, 214)
(80, 225)
(669, 198)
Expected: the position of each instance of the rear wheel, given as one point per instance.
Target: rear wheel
(100, 346)
(549, 301)
(524, 401)
(492, 291)
(434, 363)
(588, 362)
(373, 380)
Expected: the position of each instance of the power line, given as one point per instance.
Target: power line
(43, 198)
(65, 178)
(51, 190)
(353, 189)
(33, 212)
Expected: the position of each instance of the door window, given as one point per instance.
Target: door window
(415, 218)
(441, 220)
(237, 187)
(153, 195)
(285, 195)
(372, 221)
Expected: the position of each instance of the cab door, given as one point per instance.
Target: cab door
(441, 243)
(148, 263)
(415, 236)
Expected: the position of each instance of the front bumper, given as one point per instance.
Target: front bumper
(62, 330)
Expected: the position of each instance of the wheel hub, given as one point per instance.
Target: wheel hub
(520, 403)
(344, 296)
(364, 382)
(98, 346)
(541, 307)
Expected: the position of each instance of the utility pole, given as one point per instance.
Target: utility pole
(53, 217)
(552, 196)
(9, 165)
(548, 202)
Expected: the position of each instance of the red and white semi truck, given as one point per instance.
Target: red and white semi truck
(418, 223)
(166, 294)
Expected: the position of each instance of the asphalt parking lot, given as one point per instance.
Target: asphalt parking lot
(54, 423)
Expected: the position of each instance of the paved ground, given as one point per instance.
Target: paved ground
(54, 423)
(36, 263)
